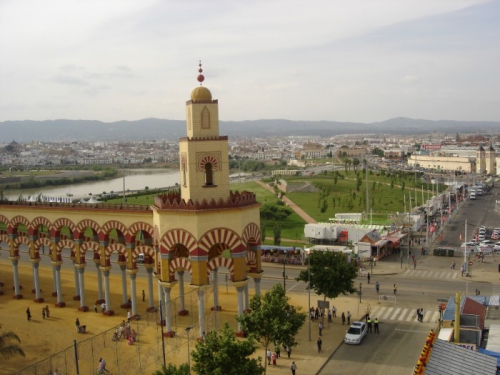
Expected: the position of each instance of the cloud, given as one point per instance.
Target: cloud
(68, 80)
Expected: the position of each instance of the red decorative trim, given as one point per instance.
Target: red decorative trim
(174, 202)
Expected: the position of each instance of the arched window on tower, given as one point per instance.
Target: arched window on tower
(184, 181)
(209, 174)
(205, 118)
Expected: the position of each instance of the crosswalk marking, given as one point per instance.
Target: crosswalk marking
(384, 313)
(432, 274)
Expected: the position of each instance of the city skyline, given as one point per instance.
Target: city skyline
(362, 61)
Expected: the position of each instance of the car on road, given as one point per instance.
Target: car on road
(355, 333)
(486, 243)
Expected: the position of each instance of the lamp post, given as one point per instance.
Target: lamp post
(284, 269)
(189, 353)
(360, 292)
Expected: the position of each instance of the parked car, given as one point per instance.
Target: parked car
(355, 333)
(496, 246)
(481, 237)
(486, 243)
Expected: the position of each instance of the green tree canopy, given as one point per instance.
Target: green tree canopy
(331, 275)
(223, 354)
(272, 319)
(173, 370)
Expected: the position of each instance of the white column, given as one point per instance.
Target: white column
(181, 290)
(257, 285)
(17, 288)
(81, 277)
(215, 286)
(107, 292)
(54, 282)
(60, 302)
(239, 290)
(151, 302)
(77, 281)
(124, 284)
(133, 291)
(245, 294)
(99, 282)
(167, 311)
(201, 310)
(36, 279)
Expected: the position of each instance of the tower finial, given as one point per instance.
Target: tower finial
(200, 77)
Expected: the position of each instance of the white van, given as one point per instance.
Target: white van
(472, 195)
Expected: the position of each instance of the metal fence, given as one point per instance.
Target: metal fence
(145, 355)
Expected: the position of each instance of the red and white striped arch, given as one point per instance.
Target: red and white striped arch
(89, 245)
(66, 243)
(64, 222)
(113, 224)
(19, 240)
(35, 224)
(220, 236)
(4, 238)
(87, 223)
(250, 258)
(20, 220)
(145, 249)
(141, 226)
(116, 247)
(4, 220)
(179, 263)
(177, 236)
(220, 262)
(209, 159)
(251, 233)
(42, 241)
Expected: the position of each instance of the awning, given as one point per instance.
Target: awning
(380, 243)
(394, 240)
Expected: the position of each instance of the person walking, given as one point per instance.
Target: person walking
(268, 355)
(375, 326)
(277, 350)
(320, 327)
(47, 311)
(334, 311)
(343, 318)
(43, 312)
(77, 323)
(329, 316)
(395, 289)
(101, 369)
(273, 358)
(377, 287)
(143, 295)
(28, 314)
(288, 351)
(320, 343)
(349, 318)
(368, 277)
(95, 307)
(293, 367)
(462, 269)
(452, 265)
(369, 323)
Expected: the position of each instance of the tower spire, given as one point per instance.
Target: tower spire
(200, 77)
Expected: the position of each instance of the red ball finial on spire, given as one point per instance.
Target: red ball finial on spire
(200, 77)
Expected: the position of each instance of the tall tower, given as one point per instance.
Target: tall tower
(481, 161)
(490, 160)
(204, 163)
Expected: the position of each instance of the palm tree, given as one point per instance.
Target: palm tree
(7, 349)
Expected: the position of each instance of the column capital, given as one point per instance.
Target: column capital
(255, 275)
(35, 261)
(57, 263)
(14, 259)
(132, 272)
(169, 285)
(240, 284)
(105, 268)
(80, 266)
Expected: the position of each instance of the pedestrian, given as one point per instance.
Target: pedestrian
(312, 314)
(343, 318)
(273, 358)
(369, 323)
(452, 265)
(329, 316)
(43, 312)
(375, 326)
(143, 295)
(128, 315)
(103, 307)
(293, 367)
(349, 318)
(268, 355)
(320, 343)
(95, 307)
(421, 314)
(462, 269)
(320, 326)
(316, 313)
(28, 314)
(101, 369)
(414, 264)
(395, 289)
(368, 277)
(277, 350)
(334, 311)
(47, 311)
(377, 287)
(288, 351)
(77, 323)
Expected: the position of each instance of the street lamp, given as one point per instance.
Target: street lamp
(189, 353)
(309, 287)
(284, 264)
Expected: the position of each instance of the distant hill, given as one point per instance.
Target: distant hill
(149, 129)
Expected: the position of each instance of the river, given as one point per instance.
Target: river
(135, 179)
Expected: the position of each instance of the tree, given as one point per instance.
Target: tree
(173, 370)
(272, 319)
(222, 354)
(7, 348)
(331, 275)
(277, 234)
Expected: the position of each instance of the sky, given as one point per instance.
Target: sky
(328, 60)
